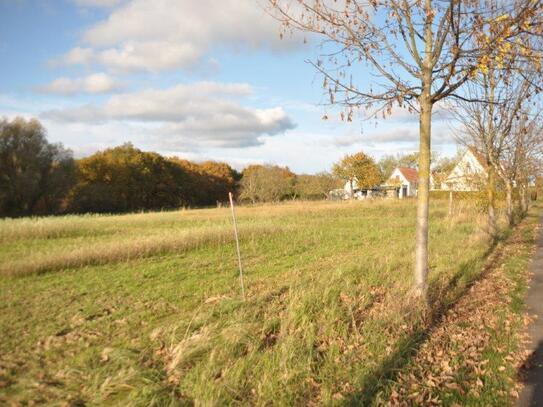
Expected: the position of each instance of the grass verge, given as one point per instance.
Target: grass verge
(472, 354)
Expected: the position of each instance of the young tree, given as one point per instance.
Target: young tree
(359, 167)
(498, 97)
(444, 165)
(410, 160)
(387, 164)
(266, 183)
(250, 183)
(522, 158)
(422, 51)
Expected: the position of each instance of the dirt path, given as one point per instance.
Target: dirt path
(532, 393)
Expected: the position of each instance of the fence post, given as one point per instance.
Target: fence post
(450, 202)
(230, 196)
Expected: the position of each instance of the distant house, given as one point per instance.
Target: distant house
(403, 182)
(469, 174)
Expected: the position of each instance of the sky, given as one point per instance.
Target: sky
(202, 80)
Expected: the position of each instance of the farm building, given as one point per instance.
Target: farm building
(352, 189)
(469, 174)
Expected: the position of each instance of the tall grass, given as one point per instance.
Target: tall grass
(328, 309)
(120, 249)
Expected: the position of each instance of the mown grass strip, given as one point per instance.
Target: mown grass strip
(129, 249)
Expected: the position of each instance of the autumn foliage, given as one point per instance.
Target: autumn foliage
(39, 178)
(361, 167)
(126, 179)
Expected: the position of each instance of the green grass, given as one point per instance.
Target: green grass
(471, 354)
(145, 309)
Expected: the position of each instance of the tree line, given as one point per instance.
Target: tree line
(42, 178)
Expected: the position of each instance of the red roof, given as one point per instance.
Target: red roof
(410, 174)
(478, 155)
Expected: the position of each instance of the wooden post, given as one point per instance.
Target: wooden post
(230, 196)
(450, 203)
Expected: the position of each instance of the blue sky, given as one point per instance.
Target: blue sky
(201, 80)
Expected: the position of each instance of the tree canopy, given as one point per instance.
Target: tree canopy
(124, 179)
(358, 166)
(34, 174)
(208, 182)
(266, 183)
(317, 186)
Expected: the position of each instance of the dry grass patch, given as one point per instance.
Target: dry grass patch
(128, 249)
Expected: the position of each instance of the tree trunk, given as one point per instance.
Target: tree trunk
(491, 192)
(421, 242)
(526, 196)
(523, 195)
(509, 202)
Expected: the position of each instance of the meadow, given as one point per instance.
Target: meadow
(146, 309)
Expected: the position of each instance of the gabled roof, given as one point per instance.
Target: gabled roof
(410, 174)
(479, 156)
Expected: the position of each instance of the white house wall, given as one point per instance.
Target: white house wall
(464, 175)
(411, 188)
(347, 186)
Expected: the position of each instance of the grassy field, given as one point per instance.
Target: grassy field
(146, 309)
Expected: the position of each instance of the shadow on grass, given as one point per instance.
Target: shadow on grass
(467, 274)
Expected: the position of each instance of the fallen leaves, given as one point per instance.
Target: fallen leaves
(453, 358)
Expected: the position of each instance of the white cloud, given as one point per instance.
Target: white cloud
(152, 56)
(391, 135)
(402, 114)
(158, 35)
(95, 83)
(75, 56)
(187, 117)
(237, 127)
(97, 3)
(395, 135)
